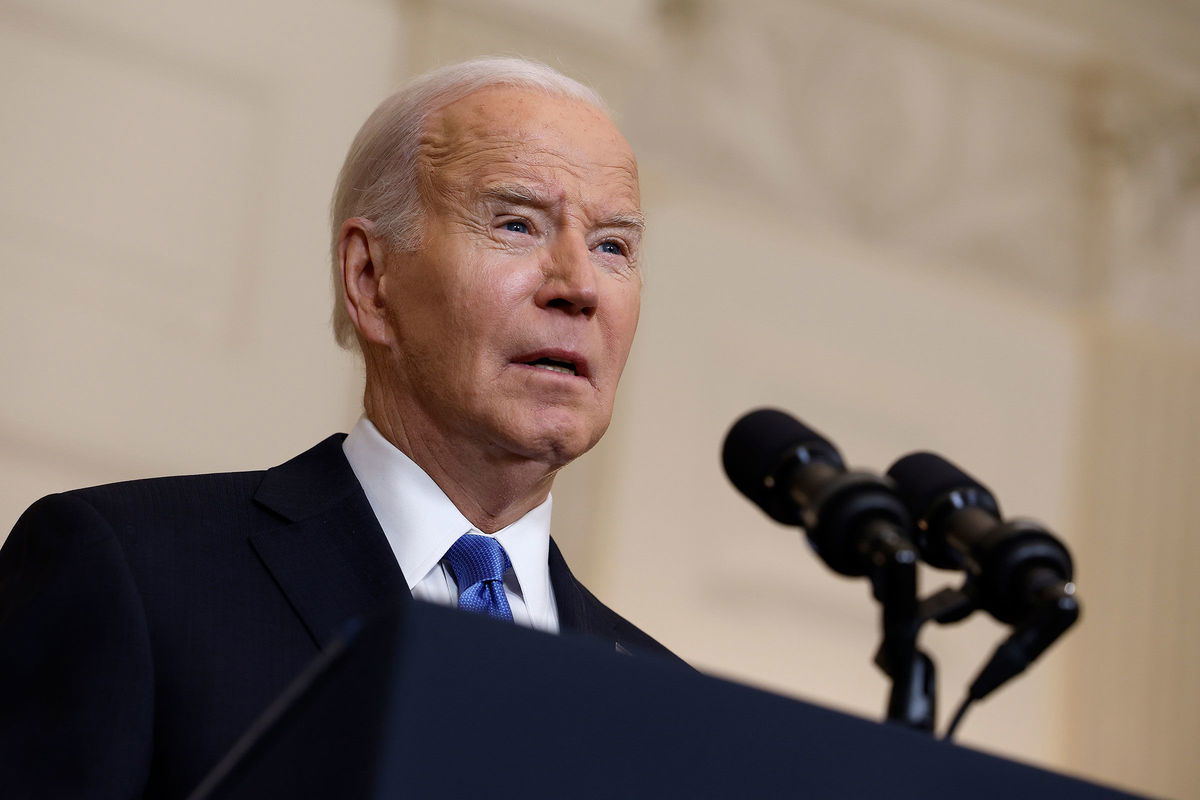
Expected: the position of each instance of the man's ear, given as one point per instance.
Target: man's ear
(363, 258)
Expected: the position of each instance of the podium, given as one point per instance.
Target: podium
(434, 702)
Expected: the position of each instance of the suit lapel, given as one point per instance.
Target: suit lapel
(332, 559)
(578, 610)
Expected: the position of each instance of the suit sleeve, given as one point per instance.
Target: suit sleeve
(76, 676)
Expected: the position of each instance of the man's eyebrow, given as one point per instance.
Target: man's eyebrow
(516, 193)
(635, 220)
(522, 195)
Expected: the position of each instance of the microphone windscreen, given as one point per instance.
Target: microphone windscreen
(757, 443)
(923, 478)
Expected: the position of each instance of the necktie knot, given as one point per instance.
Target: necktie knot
(479, 563)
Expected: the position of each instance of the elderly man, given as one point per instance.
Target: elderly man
(486, 243)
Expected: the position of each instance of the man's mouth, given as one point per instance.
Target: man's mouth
(554, 365)
(564, 362)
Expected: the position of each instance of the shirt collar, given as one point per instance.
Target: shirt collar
(421, 522)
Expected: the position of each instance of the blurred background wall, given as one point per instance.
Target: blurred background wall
(964, 225)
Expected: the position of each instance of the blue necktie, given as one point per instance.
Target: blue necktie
(479, 564)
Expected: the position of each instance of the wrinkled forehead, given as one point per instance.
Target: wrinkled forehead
(503, 133)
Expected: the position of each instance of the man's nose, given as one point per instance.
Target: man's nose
(570, 277)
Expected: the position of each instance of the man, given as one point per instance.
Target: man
(486, 242)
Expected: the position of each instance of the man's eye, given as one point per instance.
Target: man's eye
(516, 226)
(612, 248)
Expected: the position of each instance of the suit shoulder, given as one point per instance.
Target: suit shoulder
(96, 512)
(173, 491)
(173, 497)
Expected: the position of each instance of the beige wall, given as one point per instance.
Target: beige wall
(166, 174)
(962, 225)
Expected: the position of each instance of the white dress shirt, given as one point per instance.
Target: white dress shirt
(421, 523)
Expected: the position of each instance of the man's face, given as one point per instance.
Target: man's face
(513, 320)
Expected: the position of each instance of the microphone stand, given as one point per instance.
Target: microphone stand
(893, 573)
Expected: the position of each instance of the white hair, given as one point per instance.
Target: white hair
(380, 179)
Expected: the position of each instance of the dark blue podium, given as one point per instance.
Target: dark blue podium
(433, 702)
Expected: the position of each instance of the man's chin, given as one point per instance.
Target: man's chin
(556, 440)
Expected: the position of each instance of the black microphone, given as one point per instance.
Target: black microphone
(854, 520)
(1016, 566)
(1016, 570)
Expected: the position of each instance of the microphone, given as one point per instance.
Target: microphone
(854, 520)
(1016, 570)
(1016, 566)
(856, 523)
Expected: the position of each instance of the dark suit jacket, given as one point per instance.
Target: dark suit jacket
(144, 625)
